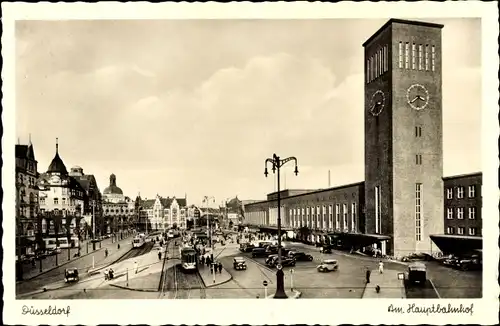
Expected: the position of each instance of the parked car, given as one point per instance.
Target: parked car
(246, 247)
(239, 263)
(272, 249)
(259, 252)
(300, 256)
(473, 262)
(270, 260)
(326, 249)
(328, 265)
(285, 261)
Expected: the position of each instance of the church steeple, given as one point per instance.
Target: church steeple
(57, 165)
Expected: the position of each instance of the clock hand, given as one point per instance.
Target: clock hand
(416, 98)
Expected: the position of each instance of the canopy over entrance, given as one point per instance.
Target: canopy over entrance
(358, 239)
(273, 229)
(457, 244)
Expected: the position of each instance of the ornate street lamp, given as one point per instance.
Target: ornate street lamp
(280, 275)
(206, 199)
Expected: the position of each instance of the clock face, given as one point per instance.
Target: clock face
(417, 96)
(377, 103)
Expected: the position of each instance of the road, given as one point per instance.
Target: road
(53, 281)
(178, 284)
(347, 282)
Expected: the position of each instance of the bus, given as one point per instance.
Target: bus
(188, 259)
(139, 241)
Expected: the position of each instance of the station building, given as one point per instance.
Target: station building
(400, 204)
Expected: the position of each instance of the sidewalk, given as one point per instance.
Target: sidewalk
(83, 264)
(149, 272)
(390, 286)
(49, 263)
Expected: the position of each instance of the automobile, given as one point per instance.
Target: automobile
(326, 249)
(417, 273)
(451, 261)
(259, 252)
(71, 275)
(285, 261)
(270, 260)
(469, 263)
(239, 263)
(246, 247)
(328, 265)
(300, 256)
(272, 249)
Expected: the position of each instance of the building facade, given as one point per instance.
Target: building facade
(61, 200)
(119, 210)
(27, 223)
(462, 204)
(334, 209)
(400, 204)
(164, 213)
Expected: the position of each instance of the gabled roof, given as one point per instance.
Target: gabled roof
(147, 203)
(25, 152)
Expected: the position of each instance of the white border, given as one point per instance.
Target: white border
(261, 311)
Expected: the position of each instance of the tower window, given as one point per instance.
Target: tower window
(345, 216)
(418, 211)
(353, 217)
(376, 65)
(368, 71)
(380, 60)
(450, 230)
(460, 213)
(400, 53)
(427, 57)
(407, 55)
(420, 57)
(449, 193)
(472, 231)
(460, 192)
(418, 131)
(461, 230)
(413, 56)
(449, 213)
(418, 159)
(377, 210)
(433, 58)
(386, 59)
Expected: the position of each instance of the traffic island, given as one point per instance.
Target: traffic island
(210, 279)
(386, 285)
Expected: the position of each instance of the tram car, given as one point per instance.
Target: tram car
(139, 241)
(188, 259)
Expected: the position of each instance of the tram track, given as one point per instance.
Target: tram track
(135, 252)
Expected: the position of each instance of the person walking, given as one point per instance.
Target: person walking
(106, 252)
(220, 268)
(159, 255)
(202, 260)
(381, 267)
(136, 267)
(368, 273)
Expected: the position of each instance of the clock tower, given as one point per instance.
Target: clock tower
(404, 135)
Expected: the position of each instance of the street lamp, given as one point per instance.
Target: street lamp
(276, 165)
(209, 225)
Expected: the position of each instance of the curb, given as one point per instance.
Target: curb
(132, 289)
(220, 283)
(60, 265)
(111, 263)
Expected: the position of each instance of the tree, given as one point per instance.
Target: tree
(56, 219)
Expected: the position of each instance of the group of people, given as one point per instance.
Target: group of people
(214, 266)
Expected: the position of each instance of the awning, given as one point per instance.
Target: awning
(454, 244)
(358, 239)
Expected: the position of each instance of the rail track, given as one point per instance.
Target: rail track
(180, 285)
(135, 252)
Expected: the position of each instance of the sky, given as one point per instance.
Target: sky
(194, 107)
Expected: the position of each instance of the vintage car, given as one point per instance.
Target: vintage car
(417, 273)
(247, 247)
(71, 275)
(239, 263)
(259, 252)
(328, 265)
(300, 256)
(285, 261)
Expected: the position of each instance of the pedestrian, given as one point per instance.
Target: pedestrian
(368, 272)
(202, 260)
(136, 267)
(381, 267)
(118, 246)
(106, 252)
(220, 268)
(159, 255)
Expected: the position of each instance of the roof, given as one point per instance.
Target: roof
(57, 165)
(449, 243)
(25, 152)
(465, 175)
(401, 21)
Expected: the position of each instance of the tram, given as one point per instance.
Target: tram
(188, 259)
(139, 241)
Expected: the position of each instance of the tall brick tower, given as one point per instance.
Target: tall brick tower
(404, 135)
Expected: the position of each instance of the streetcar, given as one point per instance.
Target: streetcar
(188, 259)
(139, 241)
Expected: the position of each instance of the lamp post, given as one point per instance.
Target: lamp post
(209, 226)
(276, 165)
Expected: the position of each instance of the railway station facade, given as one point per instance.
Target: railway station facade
(403, 200)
